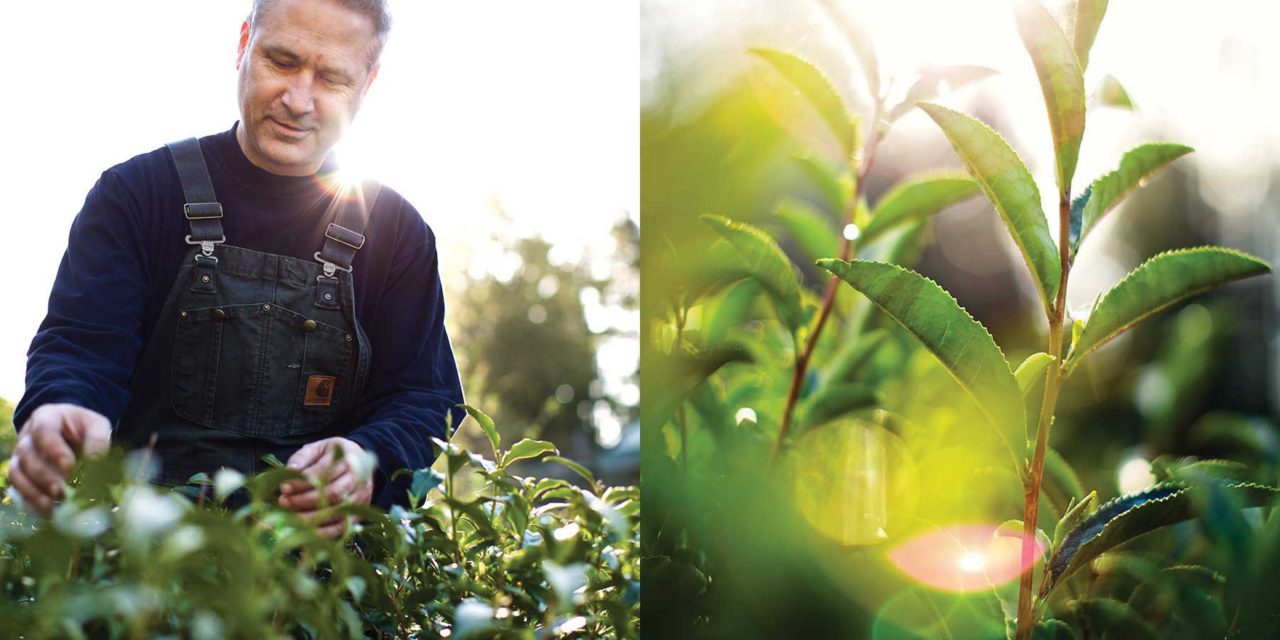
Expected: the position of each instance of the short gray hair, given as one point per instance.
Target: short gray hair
(375, 10)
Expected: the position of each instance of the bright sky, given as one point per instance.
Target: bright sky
(528, 105)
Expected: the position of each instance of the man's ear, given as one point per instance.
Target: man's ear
(373, 73)
(244, 43)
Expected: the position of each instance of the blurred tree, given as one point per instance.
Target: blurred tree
(527, 351)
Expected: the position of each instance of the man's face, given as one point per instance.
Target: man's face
(303, 72)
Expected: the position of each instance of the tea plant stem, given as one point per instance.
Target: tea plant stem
(833, 285)
(1053, 382)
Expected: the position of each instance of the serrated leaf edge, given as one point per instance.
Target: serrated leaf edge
(1073, 358)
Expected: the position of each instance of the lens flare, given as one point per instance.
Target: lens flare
(961, 558)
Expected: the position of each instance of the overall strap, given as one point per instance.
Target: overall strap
(345, 235)
(201, 209)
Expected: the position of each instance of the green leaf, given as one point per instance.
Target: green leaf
(526, 449)
(1138, 164)
(1130, 516)
(728, 310)
(811, 228)
(1071, 519)
(574, 467)
(836, 399)
(835, 188)
(487, 426)
(1009, 186)
(1157, 284)
(765, 261)
(1110, 615)
(915, 200)
(1013, 529)
(961, 344)
(1085, 28)
(1031, 370)
(929, 85)
(1053, 630)
(818, 90)
(1111, 93)
(1061, 81)
(678, 373)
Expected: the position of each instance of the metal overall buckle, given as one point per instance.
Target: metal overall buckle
(329, 267)
(206, 246)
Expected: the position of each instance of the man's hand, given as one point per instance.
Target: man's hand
(348, 480)
(47, 448)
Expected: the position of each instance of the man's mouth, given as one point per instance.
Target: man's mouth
(289, 129)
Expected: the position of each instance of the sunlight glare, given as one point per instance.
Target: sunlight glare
(961, 558)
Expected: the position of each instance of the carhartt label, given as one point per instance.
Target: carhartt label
(319, 391)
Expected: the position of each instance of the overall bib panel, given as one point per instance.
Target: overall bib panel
(254, 353)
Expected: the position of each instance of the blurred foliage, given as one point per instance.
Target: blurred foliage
(519, 558)
(784, 464)
(528, 354)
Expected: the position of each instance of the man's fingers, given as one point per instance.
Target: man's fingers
(40, 472)
(33, 499)
(53, 448)
(338, 491)
(335, 529)
(306, 456)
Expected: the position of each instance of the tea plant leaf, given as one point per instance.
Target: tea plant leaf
(1012, 191)
(1053, 629)
(487, 426)
(1110, 615)
(526, 449)
(728, 310)
(811, 228)
(835, 188)
(1031, 370)
(1071, 519)
(680, 372)
(1130, 516)
(766, 262)
(1137, 165)
(818, 90)
(574, 467)
(1061, 81)
(915, 200)
(1157, 284)
(1111, 93)
(961, 344)
(836, 399)
(929, 85)
(1085, 28)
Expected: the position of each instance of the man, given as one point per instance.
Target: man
(224, 299)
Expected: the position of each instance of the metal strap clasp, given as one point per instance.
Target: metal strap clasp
(329, 267)
(206, 246)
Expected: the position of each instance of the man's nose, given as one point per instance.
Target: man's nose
(299, 97)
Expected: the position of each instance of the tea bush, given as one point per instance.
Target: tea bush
(518, 558)
(811, 459)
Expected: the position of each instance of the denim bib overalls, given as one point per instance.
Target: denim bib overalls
(253, 353)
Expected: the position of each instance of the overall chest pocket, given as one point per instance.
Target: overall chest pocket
(260, 370)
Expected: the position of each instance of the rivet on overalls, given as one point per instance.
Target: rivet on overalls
(204, 279)
(182, 314)
(328, 296)
(348, 337)
(309, 326)
(219, 314)
(266, 307)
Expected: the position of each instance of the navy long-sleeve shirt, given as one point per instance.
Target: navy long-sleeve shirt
(123, 254)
